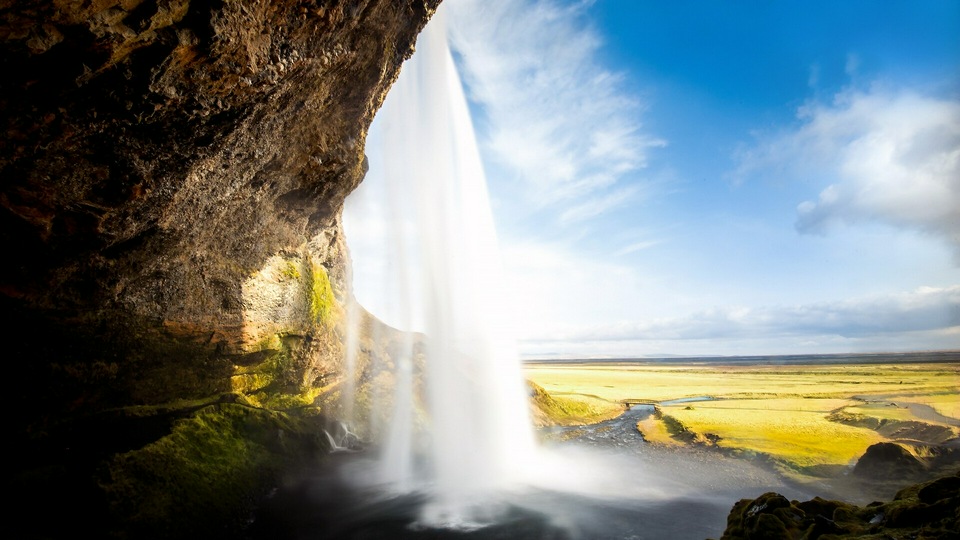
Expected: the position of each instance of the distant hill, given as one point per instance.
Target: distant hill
(790, 359)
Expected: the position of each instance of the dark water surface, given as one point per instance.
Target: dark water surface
(610, 485)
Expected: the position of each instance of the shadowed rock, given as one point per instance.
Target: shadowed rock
(888, 460)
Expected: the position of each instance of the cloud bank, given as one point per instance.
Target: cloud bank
(920, 310)
(888, 157)
(553, 116)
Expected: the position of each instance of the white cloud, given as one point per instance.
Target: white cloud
(945, 339)
(889, 157)
(554, 117)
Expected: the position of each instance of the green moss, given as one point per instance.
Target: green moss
(570, 411)
(250, 382)
(288, 400)
(199, 480)
(323, 303)
(270, 342)
(290, 270)
(263, 375)
(271, 363)
(575, 408)
(273, 382)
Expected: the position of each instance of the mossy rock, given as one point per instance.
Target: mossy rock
(764, 517)
(202, 479)
(323, 303)
(930, 510)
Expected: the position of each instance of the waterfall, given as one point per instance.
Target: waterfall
(443, 262)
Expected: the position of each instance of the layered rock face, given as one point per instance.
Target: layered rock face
(171, 180)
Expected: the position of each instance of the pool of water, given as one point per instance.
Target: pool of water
(601, 482)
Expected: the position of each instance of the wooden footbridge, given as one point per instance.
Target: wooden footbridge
(627, 403)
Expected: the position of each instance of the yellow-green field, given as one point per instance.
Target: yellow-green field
(809, 419)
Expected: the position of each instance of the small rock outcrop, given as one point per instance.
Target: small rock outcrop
(888, 460)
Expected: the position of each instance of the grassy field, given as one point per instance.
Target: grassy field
(808, 419)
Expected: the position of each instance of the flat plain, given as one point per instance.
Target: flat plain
(808, 420)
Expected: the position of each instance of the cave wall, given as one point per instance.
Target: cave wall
(175, 273)
(158, 154)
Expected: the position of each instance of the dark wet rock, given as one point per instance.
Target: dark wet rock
(930, 510)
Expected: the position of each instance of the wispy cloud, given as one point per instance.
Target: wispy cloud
(594, 206)
(553, 115)
(637, 246)
(887, 156)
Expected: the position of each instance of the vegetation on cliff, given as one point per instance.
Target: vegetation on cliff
(202, 478)
(554, 410)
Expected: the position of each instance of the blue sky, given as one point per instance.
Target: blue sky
(698, 178)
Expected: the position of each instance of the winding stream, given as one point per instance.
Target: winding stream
(619, 432)
(928, 413)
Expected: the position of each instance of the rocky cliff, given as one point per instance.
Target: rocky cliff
(171, 180)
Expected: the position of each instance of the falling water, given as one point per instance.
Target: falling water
(457, 442)
(351, 350)
(445, 263)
